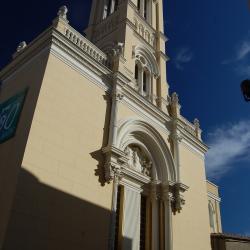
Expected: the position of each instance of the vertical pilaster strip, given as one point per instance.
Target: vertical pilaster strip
(116, 98)
(142, 2)
(162, 225)
(140, 79)
(155, 217)
(166, 201)
(152, 89)
(113, 211)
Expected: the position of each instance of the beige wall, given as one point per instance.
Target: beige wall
(191, 226)
(60, 201)
(30, 75)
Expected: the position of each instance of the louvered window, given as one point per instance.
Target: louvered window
(117, 222)
(143, 223)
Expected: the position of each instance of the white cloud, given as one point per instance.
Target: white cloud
(241, 53)
(183, 56)
(228, 145)
(243, 50)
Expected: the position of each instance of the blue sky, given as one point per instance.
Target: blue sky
(209, 47)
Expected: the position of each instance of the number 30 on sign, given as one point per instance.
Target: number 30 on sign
(10, 111)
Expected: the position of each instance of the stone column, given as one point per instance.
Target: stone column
(176, 138)
(116, 98)
(116, 181)
(140, 79)
(154, 217)
(112, 8)
(142, 2)
(149, 86)
(167, 218)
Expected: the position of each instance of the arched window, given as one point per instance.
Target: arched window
(136, 72)
(116, 5)
(139, 5)
(110, 6)
(145, 9)
(144, 87)
(143, 78)
(105, 10)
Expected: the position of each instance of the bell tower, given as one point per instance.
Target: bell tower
(135, 29)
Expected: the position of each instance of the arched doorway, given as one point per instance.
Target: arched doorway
(142, 196)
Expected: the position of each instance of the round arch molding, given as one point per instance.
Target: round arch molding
(141, 50)
(139, 132)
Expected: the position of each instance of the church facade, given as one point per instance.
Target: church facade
(94, 152)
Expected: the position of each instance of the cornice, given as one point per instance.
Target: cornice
(49, 40)
(58, 44)
(212, 184)
(214, 197)
(193, 141)
(43, 41)
(138, 101)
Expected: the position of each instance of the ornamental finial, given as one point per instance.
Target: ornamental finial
(62, 12)
(175, 98)
(196, 123)
(22, 45)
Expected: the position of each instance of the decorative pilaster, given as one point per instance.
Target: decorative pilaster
(154, 215)
(142, 2)
(140, 79)
(166, 218)
(116, 98)
(177, 188)
(116, 180)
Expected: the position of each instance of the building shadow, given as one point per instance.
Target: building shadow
(45, 218)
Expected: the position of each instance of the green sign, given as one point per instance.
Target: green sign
(10, 111)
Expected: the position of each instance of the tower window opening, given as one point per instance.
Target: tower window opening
(144, 88)
(138, 5)
(105, 10)
(136, 72)
(110, 6)
(145, 9)
(116, 5)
